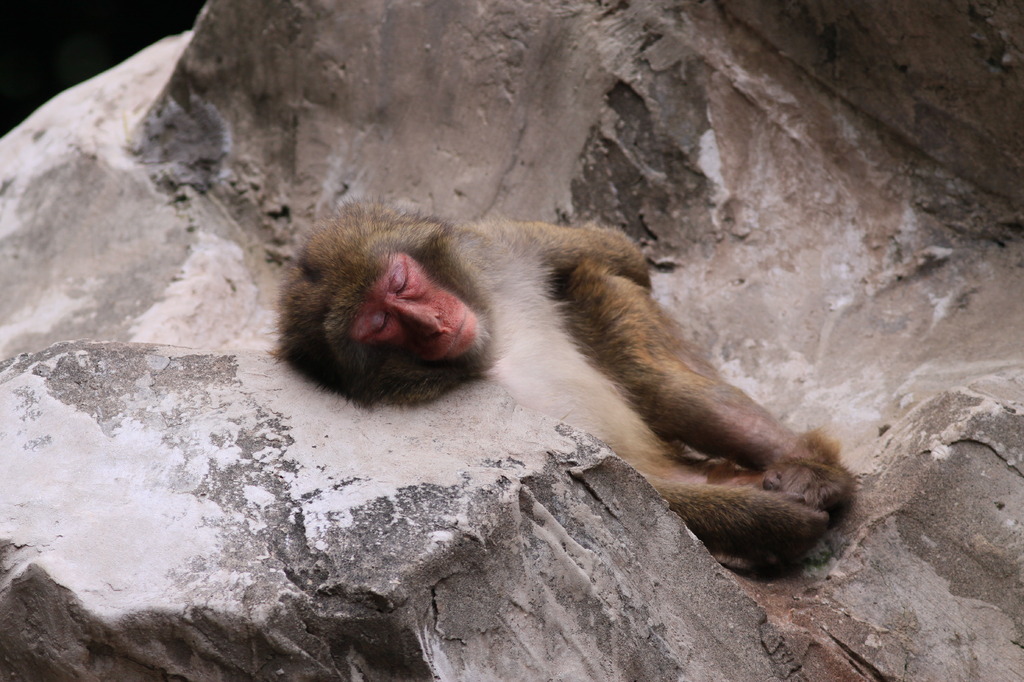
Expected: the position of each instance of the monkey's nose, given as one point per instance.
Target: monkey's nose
(423, 318)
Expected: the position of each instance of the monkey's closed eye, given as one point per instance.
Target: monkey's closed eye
(379, 321)
(399, 276)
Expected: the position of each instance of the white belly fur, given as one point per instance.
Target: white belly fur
(542, 368)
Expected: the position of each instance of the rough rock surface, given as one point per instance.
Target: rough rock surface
(93, 248)
(946, 76)
(832, 200)
(168, 513)
(929, 587)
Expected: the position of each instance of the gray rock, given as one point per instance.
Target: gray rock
(901, 65)
(211, 515)
(168, 512)
(931, 585)
(835, 214)
(92, 247)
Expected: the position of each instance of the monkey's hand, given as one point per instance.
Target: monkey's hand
(819, 485)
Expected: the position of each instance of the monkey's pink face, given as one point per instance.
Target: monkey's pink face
(406, 309)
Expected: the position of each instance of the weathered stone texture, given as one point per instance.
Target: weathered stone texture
(168, 512)
(930, 587)
(831, 199)
(946, 76)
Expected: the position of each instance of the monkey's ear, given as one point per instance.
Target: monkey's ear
(310, 273)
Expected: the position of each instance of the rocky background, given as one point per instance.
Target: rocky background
(832, 200)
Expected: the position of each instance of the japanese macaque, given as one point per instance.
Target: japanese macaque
(391, 307)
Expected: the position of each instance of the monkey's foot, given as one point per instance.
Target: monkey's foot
(819, 485)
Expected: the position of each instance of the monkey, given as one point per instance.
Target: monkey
(393, 307)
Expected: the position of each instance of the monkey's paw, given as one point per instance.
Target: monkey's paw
(817, 484)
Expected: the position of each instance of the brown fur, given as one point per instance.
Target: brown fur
(762, 499)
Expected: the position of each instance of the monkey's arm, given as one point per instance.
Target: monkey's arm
(681, 398)
(564, 248)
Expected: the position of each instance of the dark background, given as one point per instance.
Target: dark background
(47, 46)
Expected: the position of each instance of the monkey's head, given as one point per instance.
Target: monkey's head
(384, 306)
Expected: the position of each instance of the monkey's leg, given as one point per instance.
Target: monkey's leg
(744, 527)
(681, 397)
